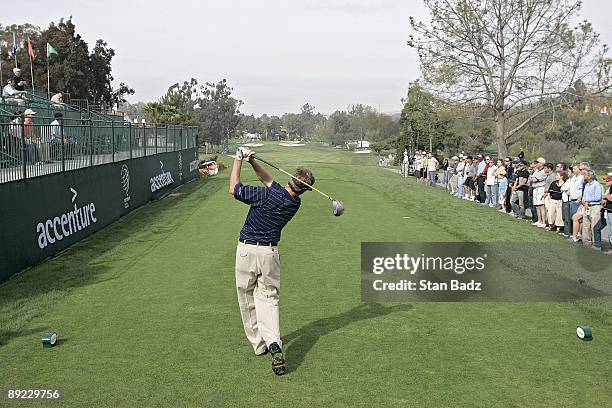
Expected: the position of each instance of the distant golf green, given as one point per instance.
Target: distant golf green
(146, 309)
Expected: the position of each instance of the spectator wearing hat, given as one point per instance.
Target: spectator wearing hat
(460, 177)
(592, 196)
(520, 190)
(606, 218)
(18, 81)
(31, 136)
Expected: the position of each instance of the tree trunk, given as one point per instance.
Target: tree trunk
(500, 134)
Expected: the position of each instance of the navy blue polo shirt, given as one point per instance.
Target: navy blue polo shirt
(271, 209)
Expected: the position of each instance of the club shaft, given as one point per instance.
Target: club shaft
(291, 175)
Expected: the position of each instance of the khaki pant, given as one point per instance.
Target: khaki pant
(258, 287)
(589, 219)
(554, 213)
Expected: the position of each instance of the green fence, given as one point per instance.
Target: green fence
(32, 146)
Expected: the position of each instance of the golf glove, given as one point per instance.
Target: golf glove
(243, 153)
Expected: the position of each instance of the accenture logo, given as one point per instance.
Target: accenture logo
(76, 218)
(161, 180)
(125, 185)
(125, 179)
(180, 164)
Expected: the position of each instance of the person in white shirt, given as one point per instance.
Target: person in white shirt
(575, 197)
(460, 179)
(490, 185)
(10, 93)
(432, 167)
(405, 164)
(565, 204)
(417, 165)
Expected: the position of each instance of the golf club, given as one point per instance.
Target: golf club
(337, 206)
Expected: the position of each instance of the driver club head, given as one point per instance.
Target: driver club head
(337, 207)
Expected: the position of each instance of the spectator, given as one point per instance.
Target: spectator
(521, 155)
(452, 171)
(470, 178)
(417, 166)
(510, 170)
(424, 168)
(501, 183)
(432, 167)
(574, 192)
(58, 98)
(551, 177)
(11, 94)
(31, 137)
(18, 81)
(520, 190)
(446, 176)
(538, 182)
(491, 185)
(479, 180)
(592, 197)
(460, 177)
(606, 218)
(554, 213)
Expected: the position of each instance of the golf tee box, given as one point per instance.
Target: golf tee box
(584, 333)
(49, 339)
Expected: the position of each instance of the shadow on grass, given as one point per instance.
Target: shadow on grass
(6, 335)
(89, 261)
(299, 343)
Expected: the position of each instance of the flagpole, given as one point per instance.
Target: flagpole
(15, 49)
(48, 79)
(31, 71)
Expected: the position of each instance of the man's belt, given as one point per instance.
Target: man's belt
(249, 242)
(592, 204)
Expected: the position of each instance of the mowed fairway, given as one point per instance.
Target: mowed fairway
(147, 315)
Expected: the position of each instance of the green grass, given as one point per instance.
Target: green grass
(147, 314)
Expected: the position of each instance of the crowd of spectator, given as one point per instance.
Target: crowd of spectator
(568, 200)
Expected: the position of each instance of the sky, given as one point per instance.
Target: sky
(277, 55)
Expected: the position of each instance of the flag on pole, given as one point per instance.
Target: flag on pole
(31, 49)
(14, 50)
(51, 50)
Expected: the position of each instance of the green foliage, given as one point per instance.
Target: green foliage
(420, 125)
(601, 155)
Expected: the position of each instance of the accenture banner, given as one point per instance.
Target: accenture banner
(45, 215)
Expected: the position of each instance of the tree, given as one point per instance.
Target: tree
(218, 112)
(516, 58)
(83, 75)
(294, 125)
(420, 126)
(176, 106)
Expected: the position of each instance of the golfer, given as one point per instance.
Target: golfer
(257, 259)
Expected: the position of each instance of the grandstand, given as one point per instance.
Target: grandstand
(75, 134)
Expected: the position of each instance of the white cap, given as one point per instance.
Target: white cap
(541, 160)
(29, 112)
(16, 69)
